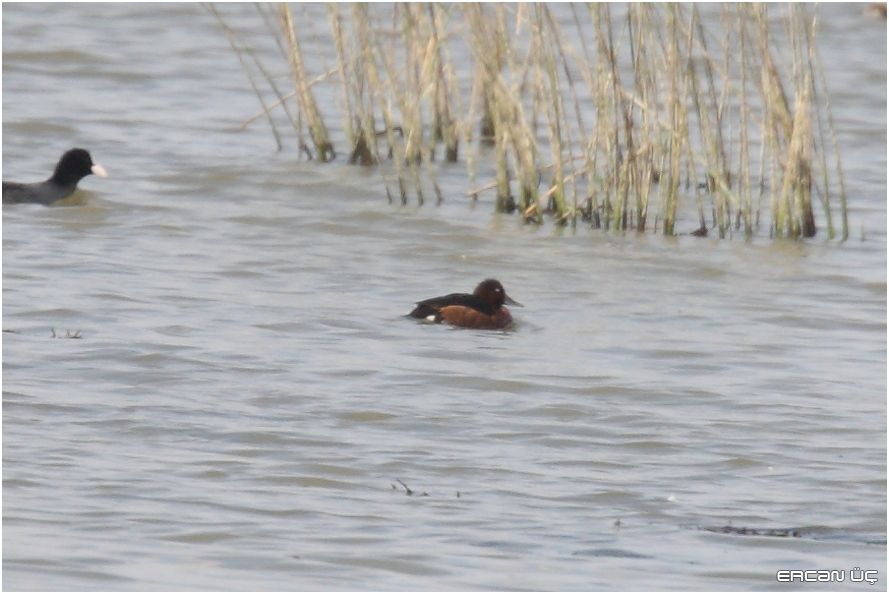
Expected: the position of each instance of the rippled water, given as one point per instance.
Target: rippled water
(246, 407)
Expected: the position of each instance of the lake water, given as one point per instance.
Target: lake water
(245, 398)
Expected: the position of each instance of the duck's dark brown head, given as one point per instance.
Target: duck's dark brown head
(492, 292)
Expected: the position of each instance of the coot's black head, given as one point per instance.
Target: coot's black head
(491, 291)
(74, 166)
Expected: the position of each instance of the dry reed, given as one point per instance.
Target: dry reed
(645, 117)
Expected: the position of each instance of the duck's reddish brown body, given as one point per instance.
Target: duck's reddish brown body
(483, 309)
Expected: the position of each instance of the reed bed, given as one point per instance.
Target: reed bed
(646, 117)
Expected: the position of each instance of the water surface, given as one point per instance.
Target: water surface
(246, 398)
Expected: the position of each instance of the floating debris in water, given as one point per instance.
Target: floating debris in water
(68, 334)
(742, 530)
(407, 490)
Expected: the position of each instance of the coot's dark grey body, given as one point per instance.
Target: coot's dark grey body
(71, 168)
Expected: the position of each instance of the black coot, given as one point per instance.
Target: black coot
(71, 168)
